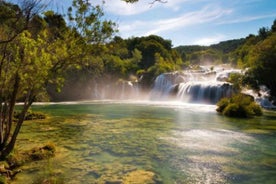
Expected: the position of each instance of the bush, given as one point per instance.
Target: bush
(257, 110)
(222, 104)
(239, 105)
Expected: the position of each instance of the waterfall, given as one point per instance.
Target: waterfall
(203, 92)
(194, 86)
(164, 85)
(204, 85)
(262, 97)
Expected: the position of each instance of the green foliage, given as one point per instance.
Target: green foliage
(37, 51)
(239, 105)
(222, 104)
(236, 79)
(262, 64)
(149, 56)
(229, 45)
(234, 110)
(214, 54)
(89, 21)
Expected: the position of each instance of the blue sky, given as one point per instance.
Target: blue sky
(188, 22)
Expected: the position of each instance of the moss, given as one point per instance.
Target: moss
(38, 153)
(41, 153)
(30, 115)
(139, 177)
(50, 180)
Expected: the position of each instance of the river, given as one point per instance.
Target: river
(168, 142)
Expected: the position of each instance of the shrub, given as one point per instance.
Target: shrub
(222, 104)
(239, 105)
(257, 110)
(235, 110)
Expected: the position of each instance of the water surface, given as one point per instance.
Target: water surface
(105, 141)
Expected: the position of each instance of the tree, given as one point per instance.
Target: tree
(89, 21)
(16, 19)
(17, 51)
(273, 27)
(29, 63)
(20, 79)
(262, 64)
(263, 33)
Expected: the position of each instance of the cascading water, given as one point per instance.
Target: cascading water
(203, 92)
(164, 85)
(193, 86)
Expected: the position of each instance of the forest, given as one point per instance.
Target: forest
(48, 56)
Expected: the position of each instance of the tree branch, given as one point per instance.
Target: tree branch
(159, 1)
(29, 9)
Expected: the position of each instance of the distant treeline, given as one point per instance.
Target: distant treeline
(213, 54)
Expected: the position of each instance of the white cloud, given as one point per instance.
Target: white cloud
(207, 14)
(119, 7)
(174, 4)
(209, 40)
(247, 19)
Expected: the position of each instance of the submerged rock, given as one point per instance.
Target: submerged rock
(139, 177)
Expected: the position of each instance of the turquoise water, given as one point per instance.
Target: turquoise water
(108, 141)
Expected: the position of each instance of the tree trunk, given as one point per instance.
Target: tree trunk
(10, 145)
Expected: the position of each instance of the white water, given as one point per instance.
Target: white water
(202, 86)
(203, 92)
(261, 97)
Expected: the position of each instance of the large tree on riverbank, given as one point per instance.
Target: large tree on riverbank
(36, 50)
